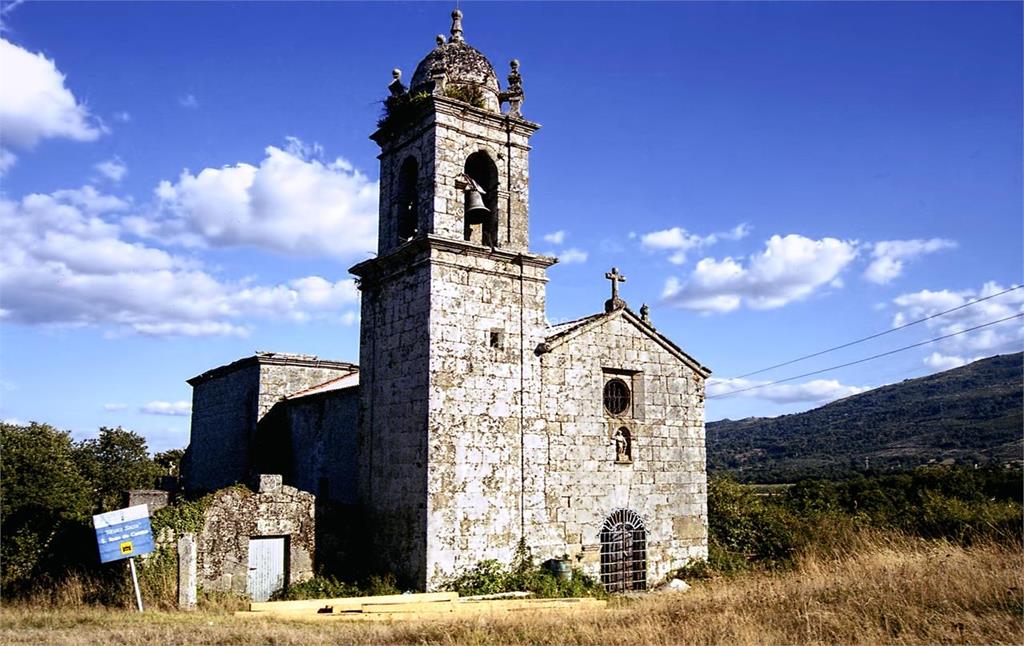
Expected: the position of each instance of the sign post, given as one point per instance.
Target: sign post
(125, 534)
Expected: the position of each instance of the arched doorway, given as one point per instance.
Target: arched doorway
(623, 552)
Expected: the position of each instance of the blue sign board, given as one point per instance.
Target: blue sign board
(123, 533)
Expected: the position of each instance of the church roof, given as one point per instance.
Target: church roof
(273, 358)
(331, 385)
(565, 332)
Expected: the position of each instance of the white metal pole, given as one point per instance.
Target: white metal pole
(135, 582)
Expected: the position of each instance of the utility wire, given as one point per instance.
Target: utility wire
(853, 363)
(875, 336)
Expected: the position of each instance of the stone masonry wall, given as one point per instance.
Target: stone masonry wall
(223, 421)
(394, 345)
(279, 381)
(461, 131)
(574, 482)
(322, 431)
(238, 514)
(418, 144)
(486, 318)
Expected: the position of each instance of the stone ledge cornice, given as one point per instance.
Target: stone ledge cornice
(409, 255)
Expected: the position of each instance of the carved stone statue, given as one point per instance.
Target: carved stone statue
(623, 451)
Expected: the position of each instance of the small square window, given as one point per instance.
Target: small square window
(496, 339)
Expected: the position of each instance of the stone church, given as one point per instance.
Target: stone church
(471, 423)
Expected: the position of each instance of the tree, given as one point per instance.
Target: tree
(42, 494)
(113, 463)
(170, 461)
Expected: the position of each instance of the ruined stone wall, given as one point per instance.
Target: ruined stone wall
(322, 430)
(574, 481)
(394, 346)
(486, 319)
(223, 422)
(238, 514)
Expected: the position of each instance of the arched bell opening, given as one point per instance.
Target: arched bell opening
(480, 206)
(408, 200)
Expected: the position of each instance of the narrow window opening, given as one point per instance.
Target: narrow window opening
(408, 200)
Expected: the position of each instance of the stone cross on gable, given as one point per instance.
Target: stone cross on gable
(615, 303)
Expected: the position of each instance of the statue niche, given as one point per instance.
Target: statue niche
(623, 446)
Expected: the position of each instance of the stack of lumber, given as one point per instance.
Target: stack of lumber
(430, 605)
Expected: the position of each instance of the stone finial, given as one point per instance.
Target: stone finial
(645, 315)
(396, 87)
(439, 40)
(614, 303)
(514, 95)
(457, 26)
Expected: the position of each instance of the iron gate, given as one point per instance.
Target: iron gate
(624, 552)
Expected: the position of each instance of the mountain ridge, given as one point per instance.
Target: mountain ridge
(968, 415)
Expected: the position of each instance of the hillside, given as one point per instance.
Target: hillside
(968, 415)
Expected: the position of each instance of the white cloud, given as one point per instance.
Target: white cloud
(738, 232)
(572, 255)
(970, 346)
(188, 101)
(941, 361)
(7, 161)
(681, 242)
(566, 256)
(35, 103)
(167, 408)
(678, 240)
(291, 203)
(114, 407)
(113, 169)
(816, 391)
(889, 256)
(123, 116)
(64, 261)
(555, 238)
(790, 268)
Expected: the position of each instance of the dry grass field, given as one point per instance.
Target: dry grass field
(891, 591)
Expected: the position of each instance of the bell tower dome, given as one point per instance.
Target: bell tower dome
(453, 164)
(452, 311)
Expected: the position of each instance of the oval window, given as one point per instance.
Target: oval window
(616, 396)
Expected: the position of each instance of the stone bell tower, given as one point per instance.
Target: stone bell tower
(452, 312)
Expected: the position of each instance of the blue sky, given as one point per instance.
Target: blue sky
(185, 184)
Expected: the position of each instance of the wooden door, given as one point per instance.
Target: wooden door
(266, 566)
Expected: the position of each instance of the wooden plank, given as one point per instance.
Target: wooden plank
(430, 606)
(511, 605)
(499, 595)
(349, 603)
(345, 616)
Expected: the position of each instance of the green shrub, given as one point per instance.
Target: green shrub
(522, 575)
(329, 587)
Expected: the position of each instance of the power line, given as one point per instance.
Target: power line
(853, 363)
(875, 336)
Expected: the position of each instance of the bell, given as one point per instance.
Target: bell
(475, 208)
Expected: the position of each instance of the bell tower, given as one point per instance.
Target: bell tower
(452, 312)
